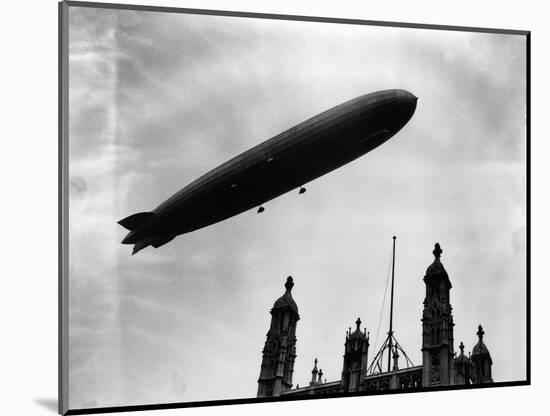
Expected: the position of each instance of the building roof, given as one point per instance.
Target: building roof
(436, 266)
(480, 348)
(462, 359)
(313, 389)
(286, 301)
(436, 269)
(357, 334)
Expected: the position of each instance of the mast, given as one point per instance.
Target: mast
(390, 344)
(390, 333)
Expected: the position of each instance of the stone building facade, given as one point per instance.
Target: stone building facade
(440, 365)
(279, 350)
(437, 326)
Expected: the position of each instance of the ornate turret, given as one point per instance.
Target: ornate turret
(286, 301)
(462, 367)
(279, 351)
(437, 326)
(314, 373)
(355, 358)
(481, 361)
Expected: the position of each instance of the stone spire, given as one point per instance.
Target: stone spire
(279, 351)
(480, 333)
(481, 360)
(314, 374)
(462, 367)
(437, 251)
(286, 301)
(437, 326)
(289, 283)
(436, 266)
(355, 358)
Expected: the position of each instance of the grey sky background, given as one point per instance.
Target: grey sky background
(156, 100)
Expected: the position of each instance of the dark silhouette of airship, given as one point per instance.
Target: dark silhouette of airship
(285, 162)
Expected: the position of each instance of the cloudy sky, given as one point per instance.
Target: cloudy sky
(156, 100)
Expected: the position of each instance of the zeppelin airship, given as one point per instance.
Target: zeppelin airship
(285, 162)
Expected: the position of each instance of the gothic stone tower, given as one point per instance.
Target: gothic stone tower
(481, 361)
(279, 350)
(462, 367)
(437, 326)
(316, 375)
(355, 358)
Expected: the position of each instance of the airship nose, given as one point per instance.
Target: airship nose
(412, 105)
(406, 96)
(405, 106)
(414, 101)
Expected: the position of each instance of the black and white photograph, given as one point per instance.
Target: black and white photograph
(273, 208)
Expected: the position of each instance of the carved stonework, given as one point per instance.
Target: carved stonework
(437, 325)
(481, 361)
(436, 376)
(279, 351)
(355, 359)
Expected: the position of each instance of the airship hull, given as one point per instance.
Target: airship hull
(285, 162)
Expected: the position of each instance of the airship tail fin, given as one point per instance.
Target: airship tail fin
(140, 245)
(155, 241)
(134, 221)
